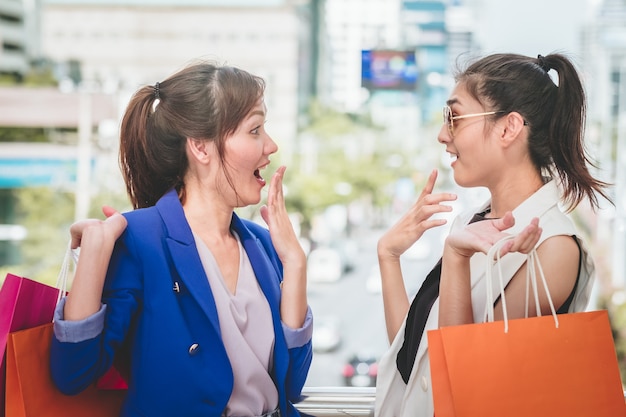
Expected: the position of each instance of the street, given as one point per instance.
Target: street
(360, 312)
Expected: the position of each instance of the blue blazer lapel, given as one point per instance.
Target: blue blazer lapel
(266, 274)
(269, 279)
(185, 263)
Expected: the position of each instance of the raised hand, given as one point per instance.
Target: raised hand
(416, 221)
(275, 215)
(293, 306)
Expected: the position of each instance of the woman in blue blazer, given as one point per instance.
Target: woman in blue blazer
(204, 312)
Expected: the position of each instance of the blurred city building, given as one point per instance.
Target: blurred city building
(13, 39)
(122, 44)
(391, 59)
(604, 59)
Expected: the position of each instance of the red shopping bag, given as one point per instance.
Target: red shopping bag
(31, 391)
(24, 303)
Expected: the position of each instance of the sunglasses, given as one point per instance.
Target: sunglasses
(449, 119)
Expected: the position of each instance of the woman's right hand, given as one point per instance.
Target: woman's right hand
(96, 239)
(397, 240)
(416, 221)
(98, 231)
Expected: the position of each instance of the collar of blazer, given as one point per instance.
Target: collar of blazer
(187, 266)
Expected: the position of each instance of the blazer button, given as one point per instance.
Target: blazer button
(193, 349)
(424, 383)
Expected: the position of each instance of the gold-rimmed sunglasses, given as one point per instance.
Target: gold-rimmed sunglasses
(449, 119)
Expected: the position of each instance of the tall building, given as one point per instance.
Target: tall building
(118, 45)
(348, 27)
(13, 39)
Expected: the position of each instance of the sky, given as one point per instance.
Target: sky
(532, 27)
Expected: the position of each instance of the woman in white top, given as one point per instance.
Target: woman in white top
(510, 128)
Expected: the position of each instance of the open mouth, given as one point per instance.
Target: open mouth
(259, 178)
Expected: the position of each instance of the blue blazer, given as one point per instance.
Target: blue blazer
(160, 313)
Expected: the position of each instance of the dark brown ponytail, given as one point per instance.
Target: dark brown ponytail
(555, 110)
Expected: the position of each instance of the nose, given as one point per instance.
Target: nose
(270, 146)
(444, 134)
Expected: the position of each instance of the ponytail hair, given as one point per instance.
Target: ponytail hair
(555, 111)
(203, 101)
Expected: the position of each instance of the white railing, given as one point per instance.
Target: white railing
(340, 401)
(337, 401)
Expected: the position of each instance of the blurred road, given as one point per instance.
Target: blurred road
(359, 311)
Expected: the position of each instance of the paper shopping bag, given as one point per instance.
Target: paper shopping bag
(533, 369)
(24, 303)
(31, 392)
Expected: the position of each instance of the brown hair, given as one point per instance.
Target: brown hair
(555, 114)
(203, 101)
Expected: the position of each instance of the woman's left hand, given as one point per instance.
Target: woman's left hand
(293, 305)
(480, 236)
(275, 215)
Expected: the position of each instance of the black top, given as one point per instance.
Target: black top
(422, 304)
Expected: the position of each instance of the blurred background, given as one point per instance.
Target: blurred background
(355, 90)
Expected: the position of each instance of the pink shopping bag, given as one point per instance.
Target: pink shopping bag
(24, 303)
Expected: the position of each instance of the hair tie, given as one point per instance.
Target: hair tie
(157, 92)
(157, 96)
(541, 61)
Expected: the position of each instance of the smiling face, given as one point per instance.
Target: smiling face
(246, 154)
(472, 150)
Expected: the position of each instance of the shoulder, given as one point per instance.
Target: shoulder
(142, 219)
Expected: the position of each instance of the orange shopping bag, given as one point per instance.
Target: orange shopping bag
(30, 391)
(550, 366)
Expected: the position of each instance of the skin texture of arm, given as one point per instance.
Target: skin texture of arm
(96, 239)
(293, 306)
(559, 257)
(397, 240)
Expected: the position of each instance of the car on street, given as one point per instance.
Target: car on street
(360, 370)
(326, 334)
(324, 265)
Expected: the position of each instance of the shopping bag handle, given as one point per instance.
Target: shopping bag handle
(69, 263)
(532, 266)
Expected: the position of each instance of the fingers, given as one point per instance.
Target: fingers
(275, 193)
(526, 240)
(505, 222)
(108, 211)
(117, 223)
(430, 183)
(110, 228)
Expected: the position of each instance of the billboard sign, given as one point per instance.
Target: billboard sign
(389, 70)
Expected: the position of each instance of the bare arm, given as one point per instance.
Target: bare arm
(294, 302)
(96, 239)
(559, 257)
(396, 241)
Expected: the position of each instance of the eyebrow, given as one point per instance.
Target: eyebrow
(452, 101)
(254, 113)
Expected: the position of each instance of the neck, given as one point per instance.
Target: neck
(508, 195)
(208, 215)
